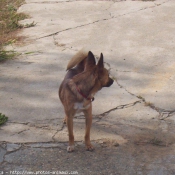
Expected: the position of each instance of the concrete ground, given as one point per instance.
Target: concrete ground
(133, 121)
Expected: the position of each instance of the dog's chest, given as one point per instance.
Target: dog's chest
(80, 106)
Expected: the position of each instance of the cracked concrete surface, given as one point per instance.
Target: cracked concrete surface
(133, 120)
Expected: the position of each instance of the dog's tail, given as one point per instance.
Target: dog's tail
(77, 58)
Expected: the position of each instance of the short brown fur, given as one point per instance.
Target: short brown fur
(89, 78)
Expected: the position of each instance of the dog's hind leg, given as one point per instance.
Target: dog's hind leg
(88, 116)
(70, 148)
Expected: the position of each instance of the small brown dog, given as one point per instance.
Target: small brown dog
(78, 88)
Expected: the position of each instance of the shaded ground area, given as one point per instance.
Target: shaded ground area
(133, 120)
(138, 159)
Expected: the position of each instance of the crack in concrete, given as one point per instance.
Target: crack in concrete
(72, 28)
(19, 123)
(62, 45)
(111, 6)
(166, 114)
(32, 125)
(100, 20)
(9, 152)
(163, 113)
(58, 132)
(100, 116)
(48, 119)
(42, 127)
(25, 145)
(22, 131)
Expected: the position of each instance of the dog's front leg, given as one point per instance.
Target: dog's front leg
(88, 116)
(70, 148)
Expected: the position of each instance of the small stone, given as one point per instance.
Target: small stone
(115, 144)
(101, 142)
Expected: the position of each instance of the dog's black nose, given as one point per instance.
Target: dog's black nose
(110, 82)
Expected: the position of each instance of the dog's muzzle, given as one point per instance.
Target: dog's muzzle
(110, 82)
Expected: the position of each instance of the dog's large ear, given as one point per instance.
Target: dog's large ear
(90, 61)
(100, 62)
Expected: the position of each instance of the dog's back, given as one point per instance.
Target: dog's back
(75, 66)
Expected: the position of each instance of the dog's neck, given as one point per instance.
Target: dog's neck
(86, 82)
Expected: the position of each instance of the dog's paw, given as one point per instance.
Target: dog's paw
(70, 148)
(89, 148)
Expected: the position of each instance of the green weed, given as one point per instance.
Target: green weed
(9, 24)
(3, 118)
(4, 55)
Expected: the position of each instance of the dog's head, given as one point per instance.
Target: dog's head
(99, 69)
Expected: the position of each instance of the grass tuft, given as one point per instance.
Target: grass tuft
(3, 119)
(4, 55)
(9, 24)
